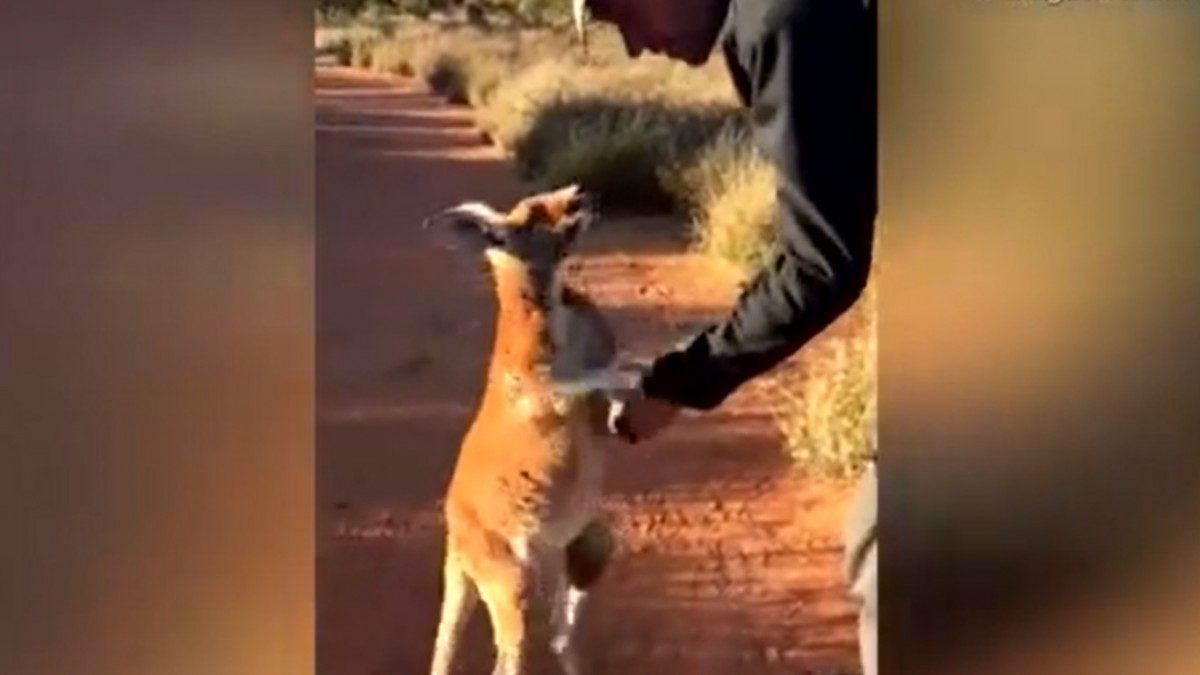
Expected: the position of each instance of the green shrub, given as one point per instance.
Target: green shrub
(613, 147)
(467, 75)
(448, 77)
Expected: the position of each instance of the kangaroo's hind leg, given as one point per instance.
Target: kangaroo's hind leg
(508, 584)
(459, 599)
(568, 601)
(585, 560)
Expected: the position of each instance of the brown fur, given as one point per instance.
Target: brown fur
(523, 526)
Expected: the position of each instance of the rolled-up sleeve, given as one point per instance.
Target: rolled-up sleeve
(809, 79)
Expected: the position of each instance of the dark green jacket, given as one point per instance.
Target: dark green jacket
(806, 71)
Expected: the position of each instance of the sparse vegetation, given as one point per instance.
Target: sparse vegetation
(827, 412)
(607, 122)
(647, 135)
(729, 190)
(615, 148)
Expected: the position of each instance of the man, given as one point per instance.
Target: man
(806, 71)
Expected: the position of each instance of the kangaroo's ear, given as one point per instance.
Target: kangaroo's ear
(568, 207)
(566, 211)
(580, 211)
(475, 225)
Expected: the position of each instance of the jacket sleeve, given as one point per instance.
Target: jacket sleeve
(809, 81)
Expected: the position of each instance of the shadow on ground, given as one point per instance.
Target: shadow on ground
(709, 604)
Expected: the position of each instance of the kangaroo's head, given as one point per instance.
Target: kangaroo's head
(524, 246)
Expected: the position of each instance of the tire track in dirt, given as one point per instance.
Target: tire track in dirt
(728, 565)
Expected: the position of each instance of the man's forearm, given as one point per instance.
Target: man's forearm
(783, 308)
(811, 87)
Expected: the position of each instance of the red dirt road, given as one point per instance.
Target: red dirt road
(727, 566)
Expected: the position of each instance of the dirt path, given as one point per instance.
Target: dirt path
(727, 566)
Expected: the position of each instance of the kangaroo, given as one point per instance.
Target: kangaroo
(523, 530)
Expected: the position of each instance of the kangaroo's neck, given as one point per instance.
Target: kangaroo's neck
(525, 322)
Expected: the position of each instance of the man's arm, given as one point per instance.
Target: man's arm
(810, 80)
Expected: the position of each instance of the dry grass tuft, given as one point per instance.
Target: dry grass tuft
(828, 408)
(608, 125)
(607, 122)
(729, 191)
(612, 147)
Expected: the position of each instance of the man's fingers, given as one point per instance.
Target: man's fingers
(623, 390)
(616, 410)
(619, 423)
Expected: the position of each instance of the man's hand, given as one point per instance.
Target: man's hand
(640, 417)
(618, 403)
(635, 417)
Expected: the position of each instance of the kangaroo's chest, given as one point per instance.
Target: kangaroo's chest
(530, 465)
